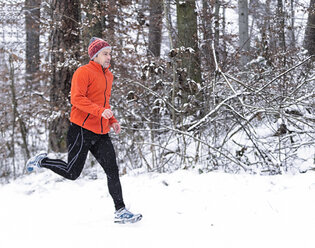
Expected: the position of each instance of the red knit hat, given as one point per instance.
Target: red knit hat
(96, 46)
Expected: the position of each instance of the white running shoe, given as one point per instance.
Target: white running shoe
(35, 161)
(123, 216)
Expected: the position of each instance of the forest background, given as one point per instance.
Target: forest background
(205, 84)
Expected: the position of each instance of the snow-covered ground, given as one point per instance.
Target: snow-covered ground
(182, 209)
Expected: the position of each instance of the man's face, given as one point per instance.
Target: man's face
(104, 57)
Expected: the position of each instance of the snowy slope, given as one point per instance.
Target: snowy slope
(182, 209)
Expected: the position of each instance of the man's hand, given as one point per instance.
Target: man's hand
(116, 127)
(107, 114)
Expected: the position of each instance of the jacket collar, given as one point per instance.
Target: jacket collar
(97, 66)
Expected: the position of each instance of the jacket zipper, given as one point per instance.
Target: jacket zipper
(105, 99)
(85, 119)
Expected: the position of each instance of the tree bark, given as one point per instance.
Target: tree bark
(155, 27)
(64, 56)
(292, 31)
(217, 6)
(207, 32)
(32, 26)
(112, 14)
(309, 39)
(281, 25)
(16, 115)
(244, 43)
(14, 112)
(187, 37)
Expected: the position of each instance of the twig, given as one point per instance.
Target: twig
(282, 74)
(157, 95)
(206, 144)
(202, 120)
(163, 147)
(221, 72)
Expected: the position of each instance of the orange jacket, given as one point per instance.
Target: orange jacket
(90, 92)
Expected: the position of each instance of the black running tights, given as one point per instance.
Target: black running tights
(80, 142)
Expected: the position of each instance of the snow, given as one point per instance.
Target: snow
(181, 209)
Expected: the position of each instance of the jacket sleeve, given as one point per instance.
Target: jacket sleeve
(79, 87)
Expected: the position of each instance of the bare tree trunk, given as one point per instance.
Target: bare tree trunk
(309, 39)
(282, 86)
(244, 43)
(292, 31)
(112, 13)
(14, 113)
(269, 44)
(207, 32)
(224, 47)
(64, 54)
(281, 25)
(32, 26)
(187, 37)
(188, 61)
(217, 7)
(171, 40)
(32, 55)
(155, 27)
(169, 26)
